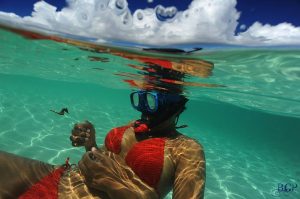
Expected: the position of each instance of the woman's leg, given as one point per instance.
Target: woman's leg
(19, 173)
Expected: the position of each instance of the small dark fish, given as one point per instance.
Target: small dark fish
(62, 112)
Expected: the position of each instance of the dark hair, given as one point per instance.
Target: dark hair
(162, 79)
(166, 80)
(177, 107)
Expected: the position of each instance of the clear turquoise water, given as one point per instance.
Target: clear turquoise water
(250, 128)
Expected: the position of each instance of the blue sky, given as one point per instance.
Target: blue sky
(272, 12)
(265, 11)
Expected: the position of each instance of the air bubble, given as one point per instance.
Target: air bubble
(102, 4)
(160, 9)
(120, 4)
(172, 11)
(127, 18)
(185, 14)
(164, 14)
(119, 7)
(84, 16)
(139, 16)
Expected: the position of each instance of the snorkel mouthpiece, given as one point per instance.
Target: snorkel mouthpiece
(140, 127)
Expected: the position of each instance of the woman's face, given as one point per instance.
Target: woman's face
(152, 119)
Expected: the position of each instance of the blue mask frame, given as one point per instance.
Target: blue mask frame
(159, 99)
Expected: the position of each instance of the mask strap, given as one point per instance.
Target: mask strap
(181, 126)
(176, 121)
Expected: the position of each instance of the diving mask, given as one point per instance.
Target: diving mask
(152, 102)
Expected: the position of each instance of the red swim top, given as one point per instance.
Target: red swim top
(47, 187)
(145, 158)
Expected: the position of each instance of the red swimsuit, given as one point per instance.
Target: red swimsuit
(145, 158)
(46, 188)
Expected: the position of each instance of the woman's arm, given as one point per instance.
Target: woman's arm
(107, 172)
(190, 171)
(18, 174)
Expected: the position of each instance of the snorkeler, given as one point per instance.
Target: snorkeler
(61, 112)
(146, 158)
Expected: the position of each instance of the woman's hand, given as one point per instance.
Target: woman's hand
(107, 172)
(83, 134)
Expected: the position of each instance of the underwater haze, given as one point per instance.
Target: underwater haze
(246, 112)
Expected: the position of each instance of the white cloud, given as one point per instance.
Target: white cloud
(209, 21)
(284, 33)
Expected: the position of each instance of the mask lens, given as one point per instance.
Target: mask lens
(135, 99)
(151, 102)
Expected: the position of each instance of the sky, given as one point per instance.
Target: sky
(164, 22)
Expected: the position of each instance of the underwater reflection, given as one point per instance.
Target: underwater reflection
(153, 62)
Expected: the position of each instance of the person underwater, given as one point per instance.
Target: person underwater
(157, 157)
